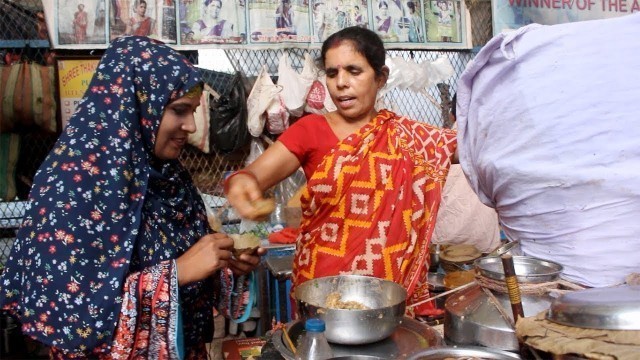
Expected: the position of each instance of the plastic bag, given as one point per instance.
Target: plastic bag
(318, 99)
(439, 70)
(277, 116)
(261, 96)
(226, 111)
(294, 85)
(200, 138)
(228, 119)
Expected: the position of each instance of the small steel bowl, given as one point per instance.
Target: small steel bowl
(528, 269)
(385, 299)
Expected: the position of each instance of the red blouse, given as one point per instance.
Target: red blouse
(309, 139)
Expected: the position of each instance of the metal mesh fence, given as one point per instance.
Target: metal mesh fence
(21, 36)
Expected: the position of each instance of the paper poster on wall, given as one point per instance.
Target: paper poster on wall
(512, 14)
(74, 75)
(153, 18)
(279, 21)
(194, 24)
(81, 22)
(445, 21)
(330, 16)
(212, 21)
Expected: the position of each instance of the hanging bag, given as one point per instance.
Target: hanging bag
(227, 113)
(277, 116)
(295, 86)
(263, 93)
(27, 93)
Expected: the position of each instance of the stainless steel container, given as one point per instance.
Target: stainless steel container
(385, 299)
(472, 319)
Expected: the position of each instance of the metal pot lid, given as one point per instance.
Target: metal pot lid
(616, 308)
(528, 269)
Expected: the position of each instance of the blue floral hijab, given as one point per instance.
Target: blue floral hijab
(102, 206)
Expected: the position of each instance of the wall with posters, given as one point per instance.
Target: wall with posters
(512, 14)
(194, 24)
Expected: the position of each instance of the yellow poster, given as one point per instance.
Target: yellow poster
(74, 76)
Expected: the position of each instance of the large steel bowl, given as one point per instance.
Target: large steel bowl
(385, 299)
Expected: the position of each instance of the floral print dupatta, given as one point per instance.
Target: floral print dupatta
(107, 219)
(370, 206)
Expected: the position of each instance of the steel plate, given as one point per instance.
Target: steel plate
(616, 308)
(528, 269)
(409, 337)
(471, 352)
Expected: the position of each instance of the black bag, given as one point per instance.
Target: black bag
(228, 131)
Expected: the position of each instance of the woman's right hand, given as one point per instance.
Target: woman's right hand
(243, 191)
(244, 188)
(210, 254)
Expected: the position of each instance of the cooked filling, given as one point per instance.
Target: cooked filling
(334, 301)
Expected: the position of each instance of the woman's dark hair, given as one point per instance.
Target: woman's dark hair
(365, 41)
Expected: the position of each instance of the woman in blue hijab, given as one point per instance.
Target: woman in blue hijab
(115, 258)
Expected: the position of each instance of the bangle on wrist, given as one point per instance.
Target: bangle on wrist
(227, 180)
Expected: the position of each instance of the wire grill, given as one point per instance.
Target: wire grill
(19, 35)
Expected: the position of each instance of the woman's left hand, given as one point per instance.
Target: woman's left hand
(246, 263)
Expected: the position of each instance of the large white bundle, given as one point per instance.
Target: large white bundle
(549, 135)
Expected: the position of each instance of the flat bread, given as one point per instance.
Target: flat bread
(262, 208)
(244, 243)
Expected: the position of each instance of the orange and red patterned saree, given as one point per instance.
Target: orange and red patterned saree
(370, 206)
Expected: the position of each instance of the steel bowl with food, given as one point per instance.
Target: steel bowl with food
(356, 309)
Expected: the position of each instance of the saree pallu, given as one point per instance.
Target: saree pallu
(370, 206)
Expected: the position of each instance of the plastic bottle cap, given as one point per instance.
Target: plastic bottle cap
(315, 325)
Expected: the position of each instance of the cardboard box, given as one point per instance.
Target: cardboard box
(242, 349)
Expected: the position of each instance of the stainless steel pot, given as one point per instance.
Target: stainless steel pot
(385, 299)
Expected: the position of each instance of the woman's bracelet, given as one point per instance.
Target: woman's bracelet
(243, 171)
